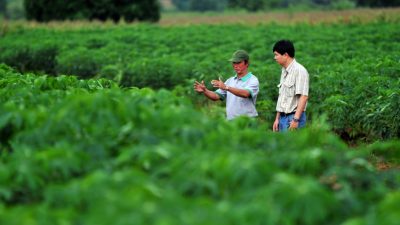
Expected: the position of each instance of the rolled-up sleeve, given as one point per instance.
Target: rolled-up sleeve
(221, 93)
(252, 87)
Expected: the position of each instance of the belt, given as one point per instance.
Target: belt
(286, 114)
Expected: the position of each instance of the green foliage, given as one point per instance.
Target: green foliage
(3, 5)
(199, 5)
(353, 67)
(302, 200)
(389, 151)
(31, 58)
(385, 213)
(89, 152)
(82, 62)
(388, 209)
(343, 4)
(378, 3)
(161, 71)
(43, 11)
(14, 9)
(248, 5)
(142, 10)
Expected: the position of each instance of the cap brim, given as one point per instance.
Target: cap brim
(235, 60)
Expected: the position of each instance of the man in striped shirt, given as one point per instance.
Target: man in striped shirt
(293, 89)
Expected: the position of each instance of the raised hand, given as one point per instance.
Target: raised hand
(199, 87)
(218, 83)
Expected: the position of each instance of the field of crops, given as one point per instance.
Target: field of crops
(127, 140)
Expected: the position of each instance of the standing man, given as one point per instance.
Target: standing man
(239, 91)
(293, 89)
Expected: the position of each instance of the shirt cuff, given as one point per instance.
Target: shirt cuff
(250, 92)
(221, 97)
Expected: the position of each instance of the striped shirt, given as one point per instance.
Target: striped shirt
(294, 82)
(238, 106)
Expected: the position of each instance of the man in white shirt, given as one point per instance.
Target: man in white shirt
(239, 91)
(293, 89)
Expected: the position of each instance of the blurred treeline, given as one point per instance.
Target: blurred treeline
(129, 10)
(265, 5)
(12, 9)
(150, 9)
(44, 10)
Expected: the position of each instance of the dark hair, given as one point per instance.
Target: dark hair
(284, 46)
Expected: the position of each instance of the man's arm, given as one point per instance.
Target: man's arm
(201, 88)
(211, 95)
(299, 110)
(244, 93)
(275, 126)
(301, 106)
(238, 92)
(302, 86)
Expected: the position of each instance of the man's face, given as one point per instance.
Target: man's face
(240, 67)
(280, 59)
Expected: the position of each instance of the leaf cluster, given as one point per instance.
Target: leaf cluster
(88, 152)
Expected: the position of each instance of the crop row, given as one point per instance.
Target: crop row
(87, 152)
(353, 67)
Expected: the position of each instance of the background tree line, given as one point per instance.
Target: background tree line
(45, 10)
(149, 10)
(256, 5)
(12, 9)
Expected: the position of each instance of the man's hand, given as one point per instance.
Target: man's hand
(275, 127)
(199, 87)
(293, 125)
(218, 84)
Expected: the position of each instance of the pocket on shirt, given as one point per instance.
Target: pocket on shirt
(289, 88)
(279, 88)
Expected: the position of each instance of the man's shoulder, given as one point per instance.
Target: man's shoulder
(299, 65)
(230, 79)
(300, 68)
(251, 78)
(254, 77)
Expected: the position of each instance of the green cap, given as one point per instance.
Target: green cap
(239, 55)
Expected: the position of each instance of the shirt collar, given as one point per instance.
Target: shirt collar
(244, 78)
(291, 65)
